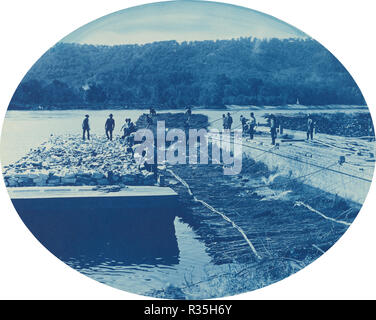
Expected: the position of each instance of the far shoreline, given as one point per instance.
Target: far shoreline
(227, 108)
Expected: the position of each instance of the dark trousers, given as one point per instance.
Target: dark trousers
(109, 134)
(126, 133)
(88, 133)
(310, 134)
(273, 133)
(251, 132)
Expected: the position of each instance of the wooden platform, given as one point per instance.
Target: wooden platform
(128, 226)
(91, 197)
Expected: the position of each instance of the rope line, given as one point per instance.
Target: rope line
(185, 184)
(300, 203)
(318, 248)
(301, 161)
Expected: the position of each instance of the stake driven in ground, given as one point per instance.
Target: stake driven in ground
(185, 184)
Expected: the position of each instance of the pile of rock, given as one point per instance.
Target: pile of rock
(354, 124)
(175, 120)
(68, 161)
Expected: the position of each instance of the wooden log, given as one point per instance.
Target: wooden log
(293, 140)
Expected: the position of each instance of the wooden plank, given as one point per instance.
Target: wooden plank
(293, 140)
(65, 198)
(87, 191)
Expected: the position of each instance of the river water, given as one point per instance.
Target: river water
(24, 130)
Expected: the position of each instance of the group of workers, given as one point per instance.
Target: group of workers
(249, 125)
(227, 121)
(109, 126)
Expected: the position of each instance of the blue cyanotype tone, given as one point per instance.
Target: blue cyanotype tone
(188, 150)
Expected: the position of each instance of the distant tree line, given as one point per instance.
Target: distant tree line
(245, 71)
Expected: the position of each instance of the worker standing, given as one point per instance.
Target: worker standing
(273, 128)
(310, 127)
(252, 125)
(243, 121)
(86, 127)
(229, 121)
(109, 126)
(224, 121)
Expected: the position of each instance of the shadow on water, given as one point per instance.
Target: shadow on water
(90, 237)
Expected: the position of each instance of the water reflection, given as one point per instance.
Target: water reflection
(90, 237)
(194, 264)
(138, 250)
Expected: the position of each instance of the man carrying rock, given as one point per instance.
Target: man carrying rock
(128, 128)
(109, 127)
(131, 127)
(124, 128)
(86, 127)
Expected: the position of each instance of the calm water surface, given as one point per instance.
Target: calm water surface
(24, 130)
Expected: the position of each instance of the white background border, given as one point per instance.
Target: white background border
(29, 28)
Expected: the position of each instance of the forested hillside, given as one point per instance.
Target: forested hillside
(244, 71)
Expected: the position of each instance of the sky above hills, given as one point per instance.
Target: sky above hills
(181, 21)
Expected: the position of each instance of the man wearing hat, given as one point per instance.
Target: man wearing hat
(109, 127)
(86, 127)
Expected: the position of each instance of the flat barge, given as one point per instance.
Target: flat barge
(132, 225)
